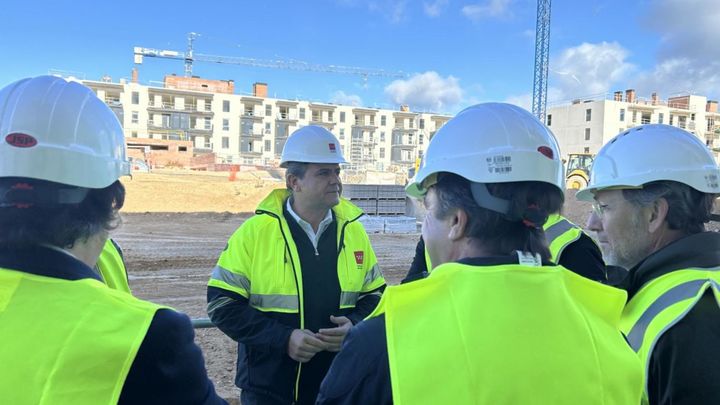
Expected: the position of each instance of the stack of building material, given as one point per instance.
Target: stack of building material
(391, 200)
(373, 199)
(362, 195)
(373, 224)
(401, 224)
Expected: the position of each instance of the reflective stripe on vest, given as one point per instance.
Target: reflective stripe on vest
(661, 304)
(560, 233)
(557, 341)
(67, 342)
(111, 267)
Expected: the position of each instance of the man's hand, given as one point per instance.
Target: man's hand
(303, 345)
(333, 337)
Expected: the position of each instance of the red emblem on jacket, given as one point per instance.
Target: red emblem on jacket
(359, 257)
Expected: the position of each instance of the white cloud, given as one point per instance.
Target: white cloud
(681, 75)
(525, 100)
(688, 54)
(488, 9)
(589, 69)
(339, 97)
(435, 8)
(522, 100)
(426, 91)
(393, 10)
(688, 28)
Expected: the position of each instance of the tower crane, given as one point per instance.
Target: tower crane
(190, 56)
(542, 56)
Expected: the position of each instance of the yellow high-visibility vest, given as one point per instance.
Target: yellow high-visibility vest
(661, 303)
(508, 334)
(111, 267)
(560, 233)
(67, 342)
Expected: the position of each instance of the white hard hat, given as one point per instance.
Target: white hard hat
(59, 131)
(650, 153)
(492, 143)
(312, 144)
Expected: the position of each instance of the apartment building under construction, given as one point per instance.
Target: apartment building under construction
(584, 126)
(252, 129)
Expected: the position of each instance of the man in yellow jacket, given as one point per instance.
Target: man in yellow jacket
(653, 188)
(66, 337)
(495, 322)
(295, 277)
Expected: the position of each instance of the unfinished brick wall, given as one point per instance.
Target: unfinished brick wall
(198, 84)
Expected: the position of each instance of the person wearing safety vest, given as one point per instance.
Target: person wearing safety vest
(495, 322)
(111, 267)
(295, 277)
(569, 247)
(67, 338)
(653, 189)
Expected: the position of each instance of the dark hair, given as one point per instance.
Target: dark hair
(688, 209)
(501, 234)
(58, 224)
(297, 169)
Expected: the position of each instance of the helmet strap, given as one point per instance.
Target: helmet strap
(23, 194)
(483, 198)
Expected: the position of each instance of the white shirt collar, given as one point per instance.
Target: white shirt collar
(307, 227)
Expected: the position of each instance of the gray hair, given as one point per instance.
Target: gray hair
(688, 209)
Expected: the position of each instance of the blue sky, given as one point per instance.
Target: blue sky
(455, 53)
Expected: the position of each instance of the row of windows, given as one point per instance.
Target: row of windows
(249, 110)
(644, 119)
(267, 146)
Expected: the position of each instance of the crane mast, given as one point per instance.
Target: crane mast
(542, 56)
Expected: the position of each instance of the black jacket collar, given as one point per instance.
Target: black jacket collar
(701, 250)
(45, 261)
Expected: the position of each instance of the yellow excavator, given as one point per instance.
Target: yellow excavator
(577, 171)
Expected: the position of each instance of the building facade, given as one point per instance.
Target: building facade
(253, 129)
(584, 126)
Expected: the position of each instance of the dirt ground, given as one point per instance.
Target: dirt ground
(175, 224)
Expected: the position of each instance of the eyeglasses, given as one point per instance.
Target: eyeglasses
(598, 208)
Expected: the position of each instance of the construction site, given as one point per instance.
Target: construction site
(176, 223)
(205, 151)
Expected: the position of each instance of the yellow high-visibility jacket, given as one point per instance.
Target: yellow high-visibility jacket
(261, 261)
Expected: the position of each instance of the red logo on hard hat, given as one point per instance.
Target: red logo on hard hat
(19, 140)
(359, 257)
(546, 151)
(331, 146)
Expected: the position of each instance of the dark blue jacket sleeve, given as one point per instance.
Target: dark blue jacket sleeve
(418, 268)
(360, 373)
(365, 305)
(233, 315)
(169, 367)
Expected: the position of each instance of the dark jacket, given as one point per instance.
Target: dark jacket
(685, 363)
(168, 368)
